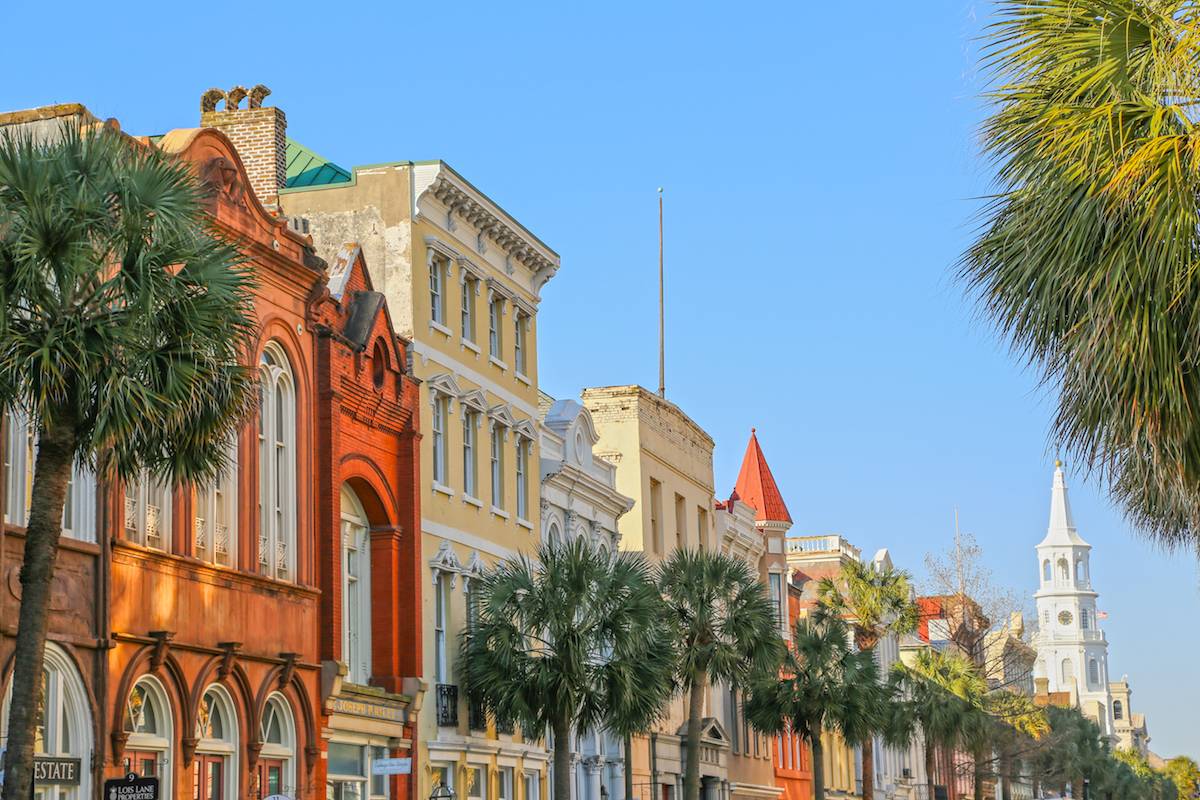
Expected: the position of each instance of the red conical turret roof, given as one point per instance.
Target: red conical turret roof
(756, 485)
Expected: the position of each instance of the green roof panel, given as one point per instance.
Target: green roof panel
(306, 168)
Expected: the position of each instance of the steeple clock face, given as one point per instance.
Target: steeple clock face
(1065, 617)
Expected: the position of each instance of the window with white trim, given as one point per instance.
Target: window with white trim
(438, 426)
(149, 730)
(277, 465)
(533, 786)
(470, 286)
(216, 513)
(476, 783)
(215, 768)
(277, 758)
(520, 339)
(441, 618)
(1093, 673)
(356, 589)
(148, 513)
(504, 787)
(497, 465)
(495, 340)
(522, 478)
(20, 454)
(777, 598)
(438, 268)
(470, 419)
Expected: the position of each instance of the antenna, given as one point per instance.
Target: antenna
(662, 370)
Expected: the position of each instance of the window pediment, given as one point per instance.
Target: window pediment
(445, 562)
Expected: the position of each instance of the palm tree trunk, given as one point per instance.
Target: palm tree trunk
(52, 471)
(561, 725)
(868, 768)
(978, 776)
(818, 767)
(930, 768)
(691, 774)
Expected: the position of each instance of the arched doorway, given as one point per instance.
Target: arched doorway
(150, 728)
(64, 727)
(215, 773)
(277, 759)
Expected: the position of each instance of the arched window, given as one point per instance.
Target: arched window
(1068, 671)
(215, 763)
(1093, 672)
(20, 451)
(216, 512)
(356, 588)
(1046, 571)
(554, 534)
(1064, 570)
(148, 724)
(277, 760)
(64, 723)
(1118, 709)
(379, 364)
(277, 465)
(1080, 571)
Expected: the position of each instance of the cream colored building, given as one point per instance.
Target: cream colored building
(463, 281)
(1129, 727)
(664, 463)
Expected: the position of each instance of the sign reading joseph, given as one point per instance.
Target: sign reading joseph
(131, 787)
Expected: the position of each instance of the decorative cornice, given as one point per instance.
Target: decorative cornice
(518, 243)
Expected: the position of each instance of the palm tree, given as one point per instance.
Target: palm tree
(942, 698)
(571, 641)
(825, 684)
(877, 601)
(1085, 261)
(1015, 722)
(124, 317)
(725, 630)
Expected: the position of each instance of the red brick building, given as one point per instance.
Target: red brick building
(262, 635)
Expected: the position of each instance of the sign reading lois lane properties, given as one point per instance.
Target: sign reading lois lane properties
(131, 787)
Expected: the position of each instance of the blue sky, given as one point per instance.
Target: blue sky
(819, 162)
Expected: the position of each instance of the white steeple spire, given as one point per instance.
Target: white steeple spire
(1061, 530)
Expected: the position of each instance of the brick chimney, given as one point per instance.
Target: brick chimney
(258, 133)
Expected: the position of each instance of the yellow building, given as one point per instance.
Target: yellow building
(462, 280)
(664, 463)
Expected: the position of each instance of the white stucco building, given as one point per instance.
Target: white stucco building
(1072, 652)
(579, 499)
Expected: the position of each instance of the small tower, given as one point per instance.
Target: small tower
(756, 488)
(1072, 653)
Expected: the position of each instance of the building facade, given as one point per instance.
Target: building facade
(1129, 727)
(580, 501)
(664, 463)
(462, 279)
(1072, 651)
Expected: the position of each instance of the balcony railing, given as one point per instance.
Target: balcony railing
(506, 727)
(476, 715)
(447, 705)
(831, 544)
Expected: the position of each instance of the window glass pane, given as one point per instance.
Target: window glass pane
(379, 783)
(345, 759)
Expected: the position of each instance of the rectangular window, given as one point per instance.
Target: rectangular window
(437, 289)
(442, 775)
(469, 466)
(20, 452)
(469, 287)
(522, 481)
(777, 596)
(701, 527)
(520, 323)
(532, 786)
(441, 612)
(476, 783)
(215, 513)
(379, 783)
(680, 522)
(439, 438)
(655, 543)
(731, 719)
(497, 465)
(505, 787)
(347, 770)
(148, 513)
(495, 312)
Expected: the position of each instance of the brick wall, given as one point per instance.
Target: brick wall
(260, 136)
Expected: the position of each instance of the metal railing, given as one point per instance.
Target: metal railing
(447, 705)
(815, 545)
(476, 715)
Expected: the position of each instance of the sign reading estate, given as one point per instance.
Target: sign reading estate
(131, 787)
(49, 771)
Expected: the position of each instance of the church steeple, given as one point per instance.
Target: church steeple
(1061, 530)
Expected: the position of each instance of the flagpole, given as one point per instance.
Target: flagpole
(662, 374)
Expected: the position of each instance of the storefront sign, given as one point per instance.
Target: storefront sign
(48, 771)
(131, 787)
(391, 766)
(386, 712)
